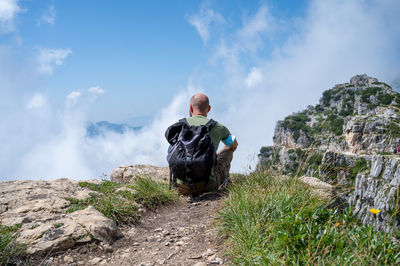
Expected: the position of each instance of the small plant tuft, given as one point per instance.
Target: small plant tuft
(58, 225)
(11, 252)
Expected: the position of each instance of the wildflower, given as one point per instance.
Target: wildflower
(374, 211)
(337, 224)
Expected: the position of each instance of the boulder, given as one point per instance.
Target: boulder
(40, 207)
(319, 188)
(125, 173)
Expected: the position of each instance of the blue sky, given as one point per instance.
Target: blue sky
(141, 52)
(63, 63)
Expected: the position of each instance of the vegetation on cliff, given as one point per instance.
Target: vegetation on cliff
(276, 220)
(363, 99)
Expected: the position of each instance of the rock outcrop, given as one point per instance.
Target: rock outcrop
(41, 209)
(346, 140)
(125, 173)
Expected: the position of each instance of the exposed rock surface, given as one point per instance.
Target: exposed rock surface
(346, 140)
(125, 173)
(320, 188)
(40, 206)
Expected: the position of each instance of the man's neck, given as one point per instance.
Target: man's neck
(197, 113)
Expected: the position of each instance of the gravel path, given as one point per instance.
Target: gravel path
(178, 234)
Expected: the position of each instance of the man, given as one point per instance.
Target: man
(199, 108)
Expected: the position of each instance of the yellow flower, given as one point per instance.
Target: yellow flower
(374, 211)
(337, 224)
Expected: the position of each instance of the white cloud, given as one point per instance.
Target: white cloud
(73, 96)
(96, 90)
(49, 16)
(48, 59)
(202, 21)
(37, 101)
(254, 78)
(8, 11)
(256, 28)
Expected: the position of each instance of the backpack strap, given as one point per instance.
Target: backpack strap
(210, 124)
(172, 180)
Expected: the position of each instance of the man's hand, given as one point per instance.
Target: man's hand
(234, 145)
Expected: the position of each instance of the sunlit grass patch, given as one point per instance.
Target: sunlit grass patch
(151, 193)
(122, 206)
(270, 220)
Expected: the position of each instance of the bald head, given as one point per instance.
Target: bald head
(199, 104)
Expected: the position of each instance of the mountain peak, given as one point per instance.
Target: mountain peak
(362, 116)
(362, 79)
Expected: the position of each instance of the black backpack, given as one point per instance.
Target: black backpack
(191, 155)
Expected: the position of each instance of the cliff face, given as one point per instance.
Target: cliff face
(346, 140)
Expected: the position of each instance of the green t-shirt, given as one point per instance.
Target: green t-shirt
(217, 133)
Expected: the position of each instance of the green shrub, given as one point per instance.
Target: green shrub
(394, 130)
(326, 97)
(348, 106)
(335, 124)
(296, 123)
(270, 220)
(315, 159)
(385, 98)
(367, 92)
(318, 108)
(11, 252)
(265, 149)
(360, 166)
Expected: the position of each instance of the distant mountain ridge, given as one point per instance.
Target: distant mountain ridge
(100, 128)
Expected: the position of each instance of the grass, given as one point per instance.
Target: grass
(269, 220)
(58, 225)
(122, 206)
(11, 252)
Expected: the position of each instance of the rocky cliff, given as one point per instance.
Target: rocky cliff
(346, 140)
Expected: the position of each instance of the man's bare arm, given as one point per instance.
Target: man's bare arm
(234, 145)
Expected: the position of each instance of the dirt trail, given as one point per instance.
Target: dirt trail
(178, 234)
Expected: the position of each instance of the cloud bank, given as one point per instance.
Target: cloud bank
(256, 87)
